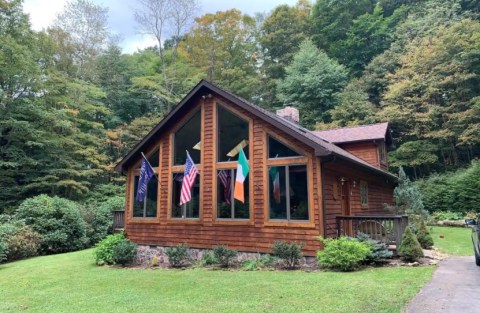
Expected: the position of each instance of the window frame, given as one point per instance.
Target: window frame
(179, 125)
(306, 159)
(382, 153)
(229, 165)
(136, 173)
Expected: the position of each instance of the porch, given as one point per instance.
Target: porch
(385, 228)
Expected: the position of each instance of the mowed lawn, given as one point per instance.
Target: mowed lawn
(72, 283)
(455, 241)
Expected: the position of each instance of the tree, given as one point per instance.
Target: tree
(408, 199)
(312, 83)
(223, 46)
(82, 30)
(162, 17)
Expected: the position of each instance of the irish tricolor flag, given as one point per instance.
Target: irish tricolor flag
(242, 171)
(275, 176)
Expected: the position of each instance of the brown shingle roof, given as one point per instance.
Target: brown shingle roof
(354, 133)
(321, 146)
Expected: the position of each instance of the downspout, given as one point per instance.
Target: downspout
(324, 160)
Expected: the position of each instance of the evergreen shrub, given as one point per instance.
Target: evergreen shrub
(379, 252)
(178, 255)
(343, 254)
(104, 250)
(288, 252)
(223, 255)
(424, 237)
(124, 252)
(410, 249)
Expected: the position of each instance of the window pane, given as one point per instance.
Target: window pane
(153, 159)
(224, 193)
(150, 201)
(277, 149)
(137, 206)
(190, 209)
(277, 192)
(232, 130)
(152, 194)
(298, 192)
(242, 210)
(186, 138)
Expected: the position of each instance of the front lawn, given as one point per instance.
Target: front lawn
(72, 283)
(455, 241)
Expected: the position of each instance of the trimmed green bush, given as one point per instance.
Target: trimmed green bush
(208, 258)
(57, 220)
(289, 252)
(410, 249)
(424, 237)
(379, 252)
(343, 254)
(224, 255)
(124, 252)
(178, 255)
(104, 250)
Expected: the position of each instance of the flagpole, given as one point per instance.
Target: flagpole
(143, 155)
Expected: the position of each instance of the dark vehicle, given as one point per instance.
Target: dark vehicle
(475, 237)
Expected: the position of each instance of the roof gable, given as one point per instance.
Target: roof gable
(320, 146)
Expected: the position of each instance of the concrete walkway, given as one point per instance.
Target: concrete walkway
(454, 288)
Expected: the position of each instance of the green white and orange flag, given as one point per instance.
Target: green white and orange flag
(275, 176)
(242, 172)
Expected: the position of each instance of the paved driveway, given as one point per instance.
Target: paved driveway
(454, 288)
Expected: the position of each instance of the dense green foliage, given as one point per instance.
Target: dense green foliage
(178, 255)
(124, 252)
(289, 253)
(104, 250)
(264, 261)
(57, 220)
(101, 289)
(379, 252)
(223, 255)
(343, 253)
(72, 104)
(410, 249)
(455, 191)
(447, 216)
(423, 236)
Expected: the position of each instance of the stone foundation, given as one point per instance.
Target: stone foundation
(145, 255)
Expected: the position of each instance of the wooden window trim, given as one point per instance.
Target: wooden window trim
(364, 183)
(131, 183)
(383, 148)
(231, 165)
(307, 160)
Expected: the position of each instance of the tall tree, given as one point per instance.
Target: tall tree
(312, 83)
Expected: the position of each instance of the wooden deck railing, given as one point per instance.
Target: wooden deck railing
(385, 228)
(118, 220)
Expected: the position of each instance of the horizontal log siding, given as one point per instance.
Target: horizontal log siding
(366, 151)
(380, 192)
(206, 233)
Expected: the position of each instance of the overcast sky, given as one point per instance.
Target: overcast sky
(121, 21)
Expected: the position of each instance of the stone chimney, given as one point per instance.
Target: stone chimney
(289, 113)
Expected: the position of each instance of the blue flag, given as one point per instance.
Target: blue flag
(146, 173)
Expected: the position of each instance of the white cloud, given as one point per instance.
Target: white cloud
(42, 13)
(133, 43)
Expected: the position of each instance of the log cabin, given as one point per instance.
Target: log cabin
(302, 184)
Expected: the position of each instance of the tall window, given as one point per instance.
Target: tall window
(227, 206)
(383, 154)
(191, 209)
(364, 193)
(148, 207)
(186, 138)
(232, 134)
(288, 183)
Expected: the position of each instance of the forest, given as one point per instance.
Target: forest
(72, 104)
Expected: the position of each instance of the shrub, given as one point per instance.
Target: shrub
(379, 252)
(104, 250)
(57, 220)
(424, 237)
(410, 249)
(23, 244)
(155, 260)
(124, 252)
(289, 252)
(208, 258)
(178, 255)
(447, 216)
(98, 222)
(3, 251)
(223, 255)
(343, 254)
(263, 261)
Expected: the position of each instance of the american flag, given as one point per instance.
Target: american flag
(226, 179)
(189, 176)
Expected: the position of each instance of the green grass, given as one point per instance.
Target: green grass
(72, 283)
(456, 241)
